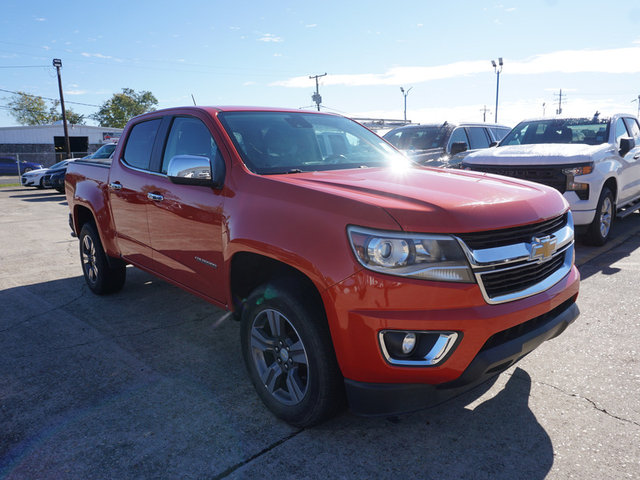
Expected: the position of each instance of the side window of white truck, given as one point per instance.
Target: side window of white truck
(632, 126)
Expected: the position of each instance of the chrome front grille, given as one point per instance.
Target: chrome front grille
(516, 279)
(510, 271)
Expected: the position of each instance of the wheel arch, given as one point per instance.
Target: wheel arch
(612, 183)
(250, 270)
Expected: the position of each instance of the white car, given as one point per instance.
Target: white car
(34, 178)
(594, 162)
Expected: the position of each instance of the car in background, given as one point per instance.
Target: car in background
(60, 167)
(34, 178)
(56, 180)
(8, 166)
(445, 144)
(54, 177)
(103, 153)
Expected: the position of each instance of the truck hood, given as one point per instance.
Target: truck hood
(436, 200)
(538, 154)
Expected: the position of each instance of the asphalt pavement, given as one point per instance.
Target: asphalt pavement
(143, 384)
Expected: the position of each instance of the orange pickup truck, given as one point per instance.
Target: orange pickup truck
(356, 276)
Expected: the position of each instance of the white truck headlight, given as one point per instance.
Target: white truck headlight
(429, 257)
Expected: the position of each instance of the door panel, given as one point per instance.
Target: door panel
(186, 221)
(129, 185)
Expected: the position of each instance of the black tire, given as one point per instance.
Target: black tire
(600, 229)
(101, 277)
(40, 185)
(288, 353)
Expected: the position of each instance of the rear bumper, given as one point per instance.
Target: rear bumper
(499, 352)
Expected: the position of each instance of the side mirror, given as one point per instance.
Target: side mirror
(493, 144)
(196, 170)
(626, 145)
(458, 147)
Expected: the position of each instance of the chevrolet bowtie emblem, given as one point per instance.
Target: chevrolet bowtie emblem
(542, 248)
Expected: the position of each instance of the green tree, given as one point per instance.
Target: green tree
(28, 109)
(117, 111)
(55, 114)
(32, 110)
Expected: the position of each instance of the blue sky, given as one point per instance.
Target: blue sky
(262, 53)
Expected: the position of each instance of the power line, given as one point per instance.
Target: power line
(24, 66)
(47, 98)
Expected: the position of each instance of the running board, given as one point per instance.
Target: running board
(628, 209)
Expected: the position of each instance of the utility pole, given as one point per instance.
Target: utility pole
(58, 63)
(497, 69)
(559, 110)
(405, 93)
(484, 111)
(317, 99)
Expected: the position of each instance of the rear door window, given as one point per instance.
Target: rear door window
(478, 138)
(457, 136)
(137, 152)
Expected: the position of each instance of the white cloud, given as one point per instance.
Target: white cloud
(46, 47)
(311, 25)
(75, 92)
(95, 55)
(270, 37)
(40, 19)
(564, 61)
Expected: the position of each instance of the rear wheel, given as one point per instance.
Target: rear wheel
(101, 277)
(600, 229)
(41, 183)
(288, 353)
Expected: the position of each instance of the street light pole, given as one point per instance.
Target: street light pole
(497, 69)
(405, 93)
(58, 63)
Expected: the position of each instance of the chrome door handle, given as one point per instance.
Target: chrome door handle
(115, 186)
(155, 197)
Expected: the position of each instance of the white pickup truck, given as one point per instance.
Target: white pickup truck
(594, 162)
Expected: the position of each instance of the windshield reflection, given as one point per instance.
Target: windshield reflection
(292, 142)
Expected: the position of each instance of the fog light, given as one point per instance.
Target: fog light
(417, 348)
(408, 343)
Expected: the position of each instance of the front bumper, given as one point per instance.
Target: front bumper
(499, 352)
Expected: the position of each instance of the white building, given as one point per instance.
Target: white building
(45, 143)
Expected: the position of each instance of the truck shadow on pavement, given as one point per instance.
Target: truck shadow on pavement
(604, 262)
(145, 384)
(40, 197)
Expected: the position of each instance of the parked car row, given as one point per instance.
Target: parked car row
(53, 177)
(593, 162)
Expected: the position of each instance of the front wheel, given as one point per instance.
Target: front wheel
(101, 277)
(288, 353)
(600, 229)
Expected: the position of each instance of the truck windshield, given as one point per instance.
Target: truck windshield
(290, 142)
(418, 138)
(562, 130)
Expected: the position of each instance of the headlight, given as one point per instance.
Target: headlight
(429, 257)
(585, 169)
